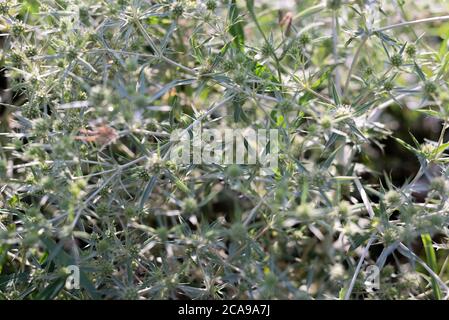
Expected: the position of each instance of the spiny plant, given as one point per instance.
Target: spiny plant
(97, 87)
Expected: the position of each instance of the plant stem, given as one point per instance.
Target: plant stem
(404, 250)
(334, 49)
(359, 266)
(309, 11)
(353, 64)
(409, 23)
(432, 262)
(197, 121)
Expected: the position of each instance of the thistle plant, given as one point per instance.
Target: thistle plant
(357, 91)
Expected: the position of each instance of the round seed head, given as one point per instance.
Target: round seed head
(266, 50)
(369, 71)
(211, 5)
(344, 208)
(410, 50)
(326, 122)
(396, 60)
(228, 65)
(305, 211)
(30, 51)
(430, 87)
(428, 148)
(388, 86)
(130, 294)
(304, 39)
(190, 205)
(393, 199)
(4, 8)
(238, 232)
(177, 10)
(17, 29)
(144, 174)
(240, 77)
(234, 171)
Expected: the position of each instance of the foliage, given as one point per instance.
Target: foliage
(97, 87)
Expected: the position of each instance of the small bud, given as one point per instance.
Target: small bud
(267, 50)
(83, 13)
(430, 87)
(140, 101)
(304, 39)
(17, 29)
(4, 8)
(369, 71)
(104, 192)
(390, 235)
(305, 211)
(144, 174)
(238, 232)
(410, 50)
(16, 58)
(240, 77)
(234, 171)
(41, 127)
(190, 205)
(393, 199)
(428, 149)
(388, 86)
(31, 111)
(396, 60)
(71, 53)
(326, 122)
(130, 211)
(211, 5)
(177, 10)
(228, 65)
(130, 294)
(102, 209)
(30, 51)
(344, 208)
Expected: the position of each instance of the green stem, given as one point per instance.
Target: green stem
(273, 54)
(354, 63)
(432, 262)
(335, 49)
(309, 11)
(409, 23)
